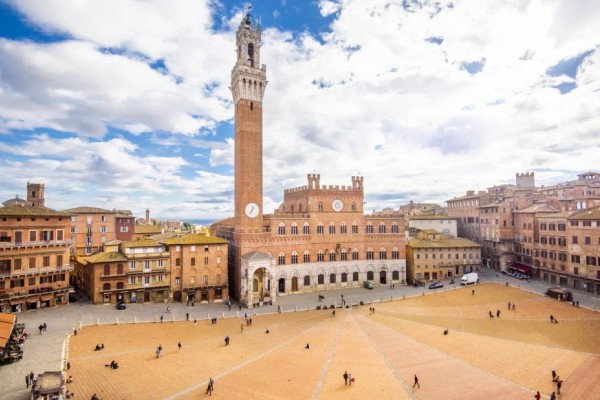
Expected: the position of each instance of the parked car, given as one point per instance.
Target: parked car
(121, 306)
(368, 285)
(436, 285)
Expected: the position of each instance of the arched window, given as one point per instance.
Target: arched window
(370, 255)
(382, 254)
(331, 278)
(306, 229)
(119, 285)
(321, 279)
(120, 269)
(343, 228)
(331, 255)
(306, 280)
(294, 257)
(294, 228)
(395, 275)
(355, 254)
(106, 286)
(369, 228)
(106, 269)
(369, 275)
(331, 228)
(344, 277)
(251, 54)
(344, 255)
(306, 256)
(394, 227)
(353, 206)
(355, 276)
(320, 256)
(281, 259)
(395, 254)
(320, 229)
(354, 228)
(382, 228)
(282, 228)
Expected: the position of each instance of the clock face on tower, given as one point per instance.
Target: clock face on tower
(252, 210)
(337, 205)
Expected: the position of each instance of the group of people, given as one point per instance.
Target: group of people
(511, 306)
(43, 327)
(348, 378)
(113, 365)
(99, 346)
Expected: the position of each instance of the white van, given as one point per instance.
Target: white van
(469, 278)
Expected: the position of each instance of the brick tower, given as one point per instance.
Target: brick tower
(35, 194)
(248, 81)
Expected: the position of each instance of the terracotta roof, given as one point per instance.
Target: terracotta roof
(560, 214)
(88, 210)
(453, 242)
(147, 229)
(194, 238)
(26, 210)
(14, 201)
(541, 207)
(592, 213)
(103, 258)
(142, 243)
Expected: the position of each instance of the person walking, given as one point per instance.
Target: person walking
(31, 376)
(179, 345)
(226, 340)
(161, 318)
(345, 377)
(416, 382)
(45, 327)
(553, 396)
(498, 313)
(210, 387)
(537, 395)
(509, 304)
(242, 328)
(350, 379)
(27, 380)
(554, 376)
(558, 386)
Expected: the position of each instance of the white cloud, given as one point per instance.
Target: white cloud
(373, 95)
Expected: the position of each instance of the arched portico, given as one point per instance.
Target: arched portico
(256, 279)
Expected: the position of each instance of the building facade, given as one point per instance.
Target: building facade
(440, 223)
(124, 225)
(198, 268)
(129, 272)
(34, 253)
(90, 229)
(319, 238)
(433, 256)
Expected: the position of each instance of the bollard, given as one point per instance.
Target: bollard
(403, 296)
(80, 324)
(116, 320)
(208, 316)
(295, 308)
(423, 294)
(173, 318)
(97, 321)
(307, 308)
(156, 318)
(254, 311)
(135, 320)
(223, 314)
(237, 313)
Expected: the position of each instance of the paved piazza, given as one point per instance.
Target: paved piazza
(481, 358)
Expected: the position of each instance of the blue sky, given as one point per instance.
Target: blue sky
(125, 104)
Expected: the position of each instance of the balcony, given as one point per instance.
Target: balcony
(36, 271)
(39, 243)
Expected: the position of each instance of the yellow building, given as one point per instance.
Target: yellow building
(433, 256)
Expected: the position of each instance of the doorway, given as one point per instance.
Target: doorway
(383, 277)
(295, 284)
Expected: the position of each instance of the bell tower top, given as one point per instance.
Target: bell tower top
(248, 77)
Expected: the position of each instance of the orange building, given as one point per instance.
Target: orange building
(34, 253)
(198, 268)
(91, 227)
(432, 256)
(319, 238)
(130, 272)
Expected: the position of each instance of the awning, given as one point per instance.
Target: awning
(46, 297)
(524, 269)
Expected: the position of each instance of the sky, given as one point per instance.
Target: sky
(126, 103)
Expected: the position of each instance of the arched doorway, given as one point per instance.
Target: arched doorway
(258, 282)
(383, 277)
(370, 275)
(281, 284)
(295, 284)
